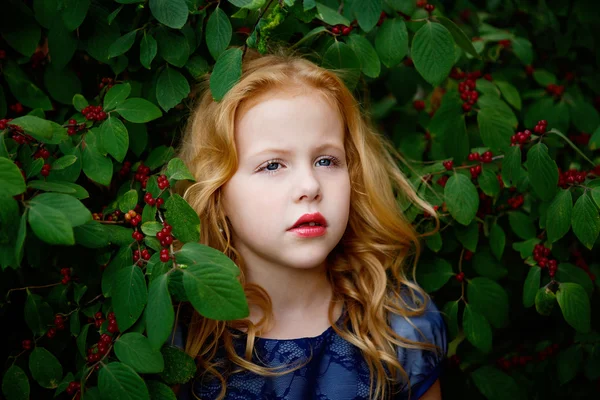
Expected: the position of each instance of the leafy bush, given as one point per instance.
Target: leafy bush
(494, 106)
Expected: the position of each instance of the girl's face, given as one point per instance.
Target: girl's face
(292, 162)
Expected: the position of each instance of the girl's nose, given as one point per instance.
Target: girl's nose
(307, 186)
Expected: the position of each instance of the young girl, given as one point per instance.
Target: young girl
(302, 194)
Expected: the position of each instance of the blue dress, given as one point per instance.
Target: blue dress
(336, 371)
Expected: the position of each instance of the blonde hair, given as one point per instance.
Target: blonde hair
(367, 269)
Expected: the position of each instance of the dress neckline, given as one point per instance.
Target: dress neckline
(324, 334)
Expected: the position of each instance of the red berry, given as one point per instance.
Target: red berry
(448, 165)
(419, 105)
(466, 107)
(26, 344)
(51, 333)
(335, 30)
(429, 8)
(346, 30)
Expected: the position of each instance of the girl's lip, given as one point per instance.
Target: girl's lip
(307, 218)
(309, 231)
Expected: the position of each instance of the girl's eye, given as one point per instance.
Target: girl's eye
(324, 162)
(272, 166)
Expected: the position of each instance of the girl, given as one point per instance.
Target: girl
(302, 194)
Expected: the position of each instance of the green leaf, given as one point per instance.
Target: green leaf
(367, 13)
(50, 225)
(128, 201)
(521, 225)
(138, 137)
(159, 156)
(183, 218)
(73, 13)
(159, 312)
(497, 240)
(123, 259)
(73, 210)
(369, 60)
(171, 88)
(138, 110)
(20, 240)
(434, 242)
(575, 306)
(330, 16)
(96, 166)
(248, 4)
(584, 116)
(160, 391)
(569, 273)
(176, 169)
(462, 199)
(433, 52)
(511, 167)
(545, 300)
(488, 182)
(63, 162)
(19, 28)
(543, 171)
(450, 311)
(586, 221)
(558, 219)
(340, 56)
(226, 73)
(531, 286)
(179, 366)
(468, 236)
(569, 362)
(38, 314)
(488, 266)
(596, 195)
(79, 102)
(151, 228)
(134, 350)
(25, 91)
(15, 384)
(148, 50)
(543, 77)
(477, 329)
(495, 128)
(173, 47)
(39, 128)
(116, 95)
(495, 384)
(433, 274)
(218, 33)
(92, 235)
(61, 45)
(523, 50)
(458, 35)
(129, 296)
(172, 13)
(119, 381)
(11, 178)
(122, 44)
(489, 299)
(115, 138)
(45, 368)
(391, 41)
(510, 93)
(594, 143)
(82, 340)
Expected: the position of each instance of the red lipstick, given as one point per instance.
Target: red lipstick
(310, 225)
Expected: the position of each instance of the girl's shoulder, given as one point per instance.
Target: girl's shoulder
(422, 366)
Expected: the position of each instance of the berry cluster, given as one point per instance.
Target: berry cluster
(26, 344)
(570, 177)
(419, 105)
(151, 201)
(164, 235)
(164, 255)
(344, 30)
(97, 216)
(529, 70)
(42, 153)
(112, 323)
(45, 170)
(59, 324)
(443, 180)
(504, 43)
(94, 113)
(540, 127)
(468, 94)
(142, 174)
(541, 255)
(581, 139)
(18, 135)
(133, 218)
(163, 182)
(485, 205)
(581, 263)
(486, 157)
(125, 169)
(520, 138)
(138, 236)
(74, 127)
(66, 275)
(506, 363)
(99, 349)
(425, 5)
(108, 82)
(144, 254)
(468, 255)
(448, 165)
(74, 388)
(516, 202)
(555, 90)
(17, 108)
(114, 216)
(37, 59)
(460, 276)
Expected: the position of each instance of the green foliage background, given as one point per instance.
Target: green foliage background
(442, 83)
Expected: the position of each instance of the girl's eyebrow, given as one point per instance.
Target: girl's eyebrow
(324, 146)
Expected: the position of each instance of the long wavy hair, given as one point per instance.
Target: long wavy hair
(375, 259)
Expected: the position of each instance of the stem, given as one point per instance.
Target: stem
(32, 287)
